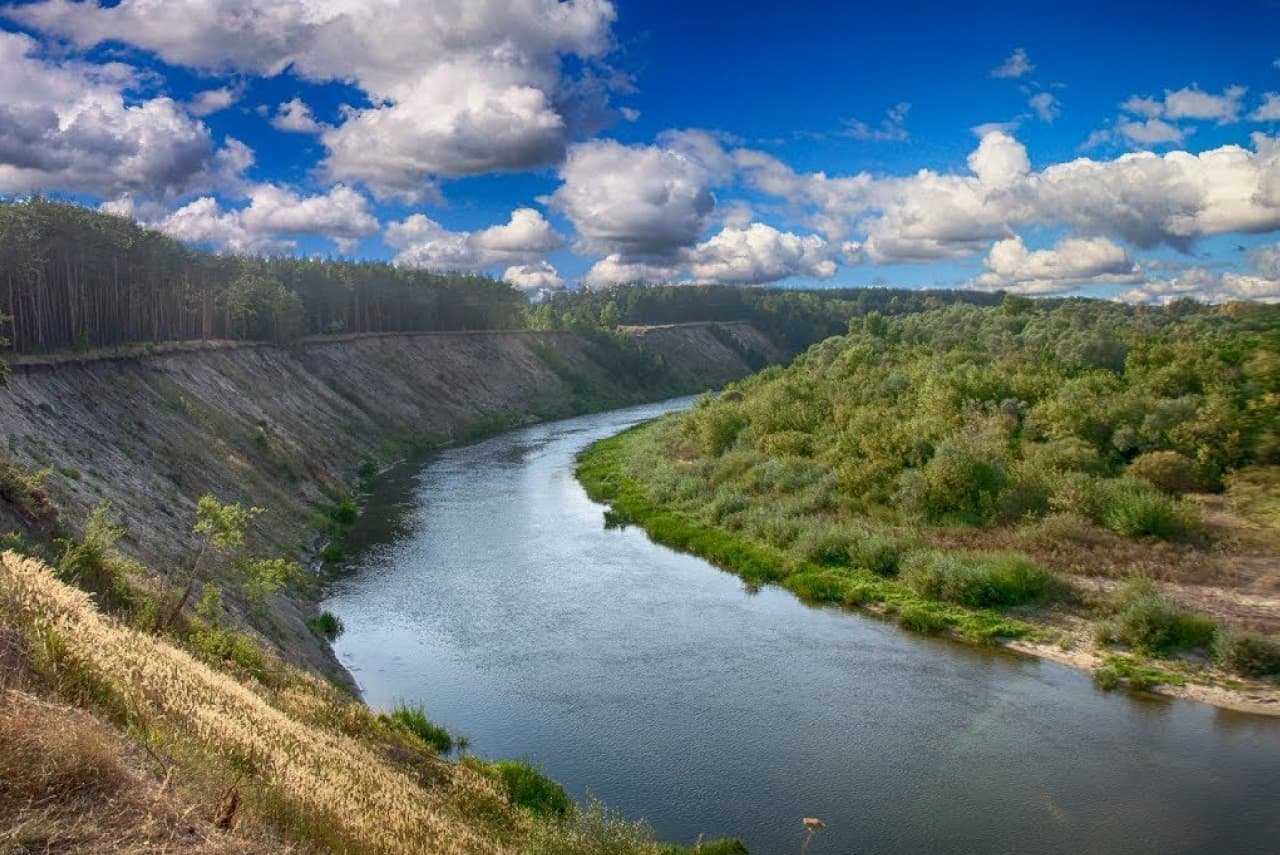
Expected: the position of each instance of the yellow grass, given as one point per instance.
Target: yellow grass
(325, 779)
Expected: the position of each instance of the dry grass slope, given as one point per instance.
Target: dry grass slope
(322, 779)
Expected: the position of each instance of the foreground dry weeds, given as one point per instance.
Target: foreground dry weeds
(341, 790)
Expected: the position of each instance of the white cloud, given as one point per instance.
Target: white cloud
(1073, 262)
(1194, 103)
(67, 125)
(1016, 65)
(758, 254)
(1151, 132)
(1268, 110)
(211, 101)
(459, 89)
(644, 203)
(1190, 102)
(294, 117)
(1141, 197)
(1207, 286)
(891, 128)
(613, 270)
(1046, 105)
(538, 276)
(273, 215)
(424, 243)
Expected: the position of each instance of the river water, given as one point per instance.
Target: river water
(486, 588)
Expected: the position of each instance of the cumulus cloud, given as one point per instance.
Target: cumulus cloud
(758, 254)
(1046, 106)
(69, 126)
(464, 89)
(294, 117)
(424, 243)
(274, 215)
(641, 203)
(1016, 65)
(1207, 286)
(1150, 132)
(1143, 198)
(613, 270)
(1268, 110)
(211, 101)
(892, 127)
(533, 278)
(1190, 102)
(1072, 263)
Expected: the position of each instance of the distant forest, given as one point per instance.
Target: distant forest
(75, 278)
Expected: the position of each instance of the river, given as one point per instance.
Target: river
(485, 586)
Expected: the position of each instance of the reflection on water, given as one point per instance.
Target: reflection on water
(488, 589)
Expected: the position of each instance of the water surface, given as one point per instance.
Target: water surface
(489, 591)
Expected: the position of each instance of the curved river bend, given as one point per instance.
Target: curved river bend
(488, 590)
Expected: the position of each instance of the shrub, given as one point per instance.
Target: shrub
(989, 580)
(1064, 454)
(326, 624)
(1135, 509)
(787, 443)
(1147, 620)
(414, 719)
(877, 553)
(825, 544)
(961, 482)
(718, 427)
(527, 787)
(1248, 653)
(1168, 471)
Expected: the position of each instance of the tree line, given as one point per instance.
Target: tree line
(72, 277)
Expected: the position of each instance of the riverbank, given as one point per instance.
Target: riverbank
(1058, 631)
(294, 430)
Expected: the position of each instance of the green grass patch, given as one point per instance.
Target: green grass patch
(1134, 673)
(413, 718)
(527, 787)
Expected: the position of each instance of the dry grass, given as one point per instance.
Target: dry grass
(68, 784)
(322, 785)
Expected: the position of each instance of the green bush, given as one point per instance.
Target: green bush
(1250, 654)
(877, 553)
(327, 625)
(527, 787)
(1135, 509)
(414, 719)
(826, 544)
(1169, 471)
(1147, 620)
(718, 428)
(787, 443)
(990, 580)
(961, 483)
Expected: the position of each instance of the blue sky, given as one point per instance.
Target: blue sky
(1064, 149)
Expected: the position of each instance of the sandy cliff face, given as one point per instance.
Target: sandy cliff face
(277, 427)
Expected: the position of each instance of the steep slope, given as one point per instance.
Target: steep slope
(150, 430)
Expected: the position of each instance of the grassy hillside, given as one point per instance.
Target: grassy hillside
(1084, 474)
(251, 754)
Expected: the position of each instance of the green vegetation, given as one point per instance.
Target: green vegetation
(413, 718)
(528, 788)
(80, 278)
(955, 468)
(1249, 653)
(327, 625)
(1148, 621)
